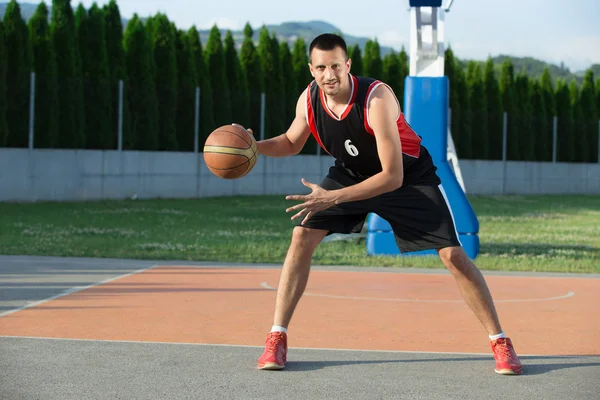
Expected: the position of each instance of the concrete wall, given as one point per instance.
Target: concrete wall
(59, 175)
(521, 177)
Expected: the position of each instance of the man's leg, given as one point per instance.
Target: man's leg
(295, 271)
(473, 287)
(475, 291)
(292, 282)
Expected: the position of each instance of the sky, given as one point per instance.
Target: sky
(551, 30)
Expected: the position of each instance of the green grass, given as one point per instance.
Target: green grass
(525, 233)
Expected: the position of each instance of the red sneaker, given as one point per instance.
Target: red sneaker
(507, 362)
(274, 356)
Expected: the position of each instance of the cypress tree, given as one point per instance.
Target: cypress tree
(187, 79)
(357, 61)
(207, 118)
(597, 96)
(581, 140)
(215, 61)
(507, 91)
(300, 62)
(68, 64)
(3, 98)
(494, 110)
(141, 93)
(457, 109)
(565, 150)
(542, 146)
(94, 68)
(404, 71)
(524, 121)
(589, 115)
(464, 145)
(268, 50)
(372, 63)
(391, 72)
(597, 91)
(113, 28)
(240, 97)
(290, 85)
(252, 73)
(548, 95)
(162, 36)
(478, 110)
(303, 79)
(279, 125)
(46, 85)
(18, 70)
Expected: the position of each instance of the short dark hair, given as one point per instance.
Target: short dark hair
(328, 41)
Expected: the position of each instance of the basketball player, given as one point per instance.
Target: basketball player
(380, 167)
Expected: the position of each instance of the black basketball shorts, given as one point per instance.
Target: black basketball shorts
(418, 214)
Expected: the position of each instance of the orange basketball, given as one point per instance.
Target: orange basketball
(230, 152)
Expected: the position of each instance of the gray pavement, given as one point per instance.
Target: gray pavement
(74, 369)
(48, 369)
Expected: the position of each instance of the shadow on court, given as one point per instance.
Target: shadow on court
(538, 368)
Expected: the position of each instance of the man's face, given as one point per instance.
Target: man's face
(330, 69)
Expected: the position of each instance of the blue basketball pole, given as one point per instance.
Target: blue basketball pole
(426, 106)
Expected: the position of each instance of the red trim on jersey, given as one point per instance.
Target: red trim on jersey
(411, 142)
(367, 126)
(310, 116)
(353, 99)
(324, 105)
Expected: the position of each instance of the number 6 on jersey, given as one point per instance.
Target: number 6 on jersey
(350, 148)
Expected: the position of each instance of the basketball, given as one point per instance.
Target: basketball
(230, 152)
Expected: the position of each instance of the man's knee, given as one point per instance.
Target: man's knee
(307, 238)
(455, 258)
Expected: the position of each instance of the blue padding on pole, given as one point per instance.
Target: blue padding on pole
(384, 243)
(426, 110)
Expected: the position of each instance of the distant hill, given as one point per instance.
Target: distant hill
(290, 31)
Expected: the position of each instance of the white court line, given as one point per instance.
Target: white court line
(69, 260)
(74, 290)
(570, 294)
(291, 348)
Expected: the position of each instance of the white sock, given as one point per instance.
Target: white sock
(498, 336)
(277, 328)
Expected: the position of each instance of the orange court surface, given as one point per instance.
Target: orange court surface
(85, 328)
(340, 310)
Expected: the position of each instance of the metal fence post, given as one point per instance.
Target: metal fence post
(120, 126)
(197, 122)
(599, 141)
(31, 109)
(197, 141)
(504, 149)
(554, 138)
(262, 137)
(262, 116)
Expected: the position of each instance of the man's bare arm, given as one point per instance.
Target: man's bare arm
(292, 141)
(383, 113)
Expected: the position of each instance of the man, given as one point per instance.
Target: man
(380, 167)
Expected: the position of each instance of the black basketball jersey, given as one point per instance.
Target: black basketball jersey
(350, 139)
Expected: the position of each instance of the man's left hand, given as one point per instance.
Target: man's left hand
(319, 200)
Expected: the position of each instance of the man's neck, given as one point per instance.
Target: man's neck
(343, 97)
